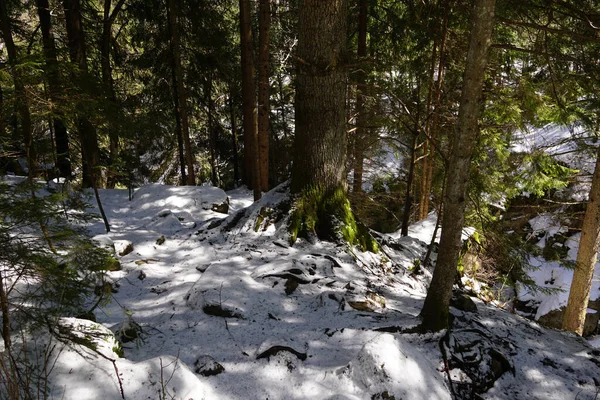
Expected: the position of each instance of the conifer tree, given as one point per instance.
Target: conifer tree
(436, 307)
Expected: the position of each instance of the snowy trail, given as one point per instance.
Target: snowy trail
(327, 325)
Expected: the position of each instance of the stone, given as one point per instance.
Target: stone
(555, 317)
(123, 247)
(208, 366)
(222, 208)
(463, 302)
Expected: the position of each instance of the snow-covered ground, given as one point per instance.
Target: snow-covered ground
(311, 321)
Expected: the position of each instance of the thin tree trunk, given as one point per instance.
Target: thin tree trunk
(408, 198)
(179, 90)
(178, 131)
(21, 103)
(251, 164)
(212, 133)
(430, 163)
(320, 140)
(236, 167)
(436, 308)
(61, 138)
(264, 23)
(5, 314)
(109, 85)
(87, 131)
(361, 91)
(587, 256)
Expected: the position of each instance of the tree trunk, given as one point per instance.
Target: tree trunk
(61, 138)
(429, 157)
(109, 85)
(179, 90)
(87, 131)
(320, 140)
(408, 198)
(212, 133)
(361, 90)
(21, 100)
(436, 308)
(234, 144)
(264, 23)
(251, 172)
(587, 256)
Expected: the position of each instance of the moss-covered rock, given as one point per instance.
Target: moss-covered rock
(328, 215)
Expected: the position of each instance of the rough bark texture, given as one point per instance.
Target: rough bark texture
(87, 131)
(61, 138)
(587, 256)
(234, 139)
(433, 123)
(109, 86)
(361, 89)
(179, 90)
(264, 23)
(408, 198)
(320, 140)
(248, 98)
(436, 307)
(21, 104)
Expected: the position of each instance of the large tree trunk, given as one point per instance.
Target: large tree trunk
(361, 90)
(264, 23)
(109, 85)
(21, 101)
(251, 172)
(179, 90)
(87, 131)
(320, 140)
(587, 256)
(61, 138)
(436, 307)
(213, 133)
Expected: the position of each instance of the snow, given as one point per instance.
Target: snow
(217, 290)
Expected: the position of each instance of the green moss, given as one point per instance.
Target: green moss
(328, 215)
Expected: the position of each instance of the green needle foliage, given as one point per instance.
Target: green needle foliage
(45, 273)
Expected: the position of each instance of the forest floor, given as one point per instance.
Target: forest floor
(222, 307)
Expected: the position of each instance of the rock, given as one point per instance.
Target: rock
(112, 264)
(123, 247)
(160, 240)
(208, 366)
(104, 242)
(555, 317)
(222, 208)
(463, 302)
(202, 267)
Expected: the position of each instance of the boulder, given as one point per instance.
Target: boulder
(555, 317)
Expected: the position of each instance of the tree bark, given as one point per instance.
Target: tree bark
(109, 85)
(320, 139)
(87, 131)
(587, 256)
(212, 133)
(361, 90)
(433, 127)
(21, 99)
(179, 89)
(264, 23)
(408, 198)
(61, 138)
(251, 172)
(436, 308)
(234, 144)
